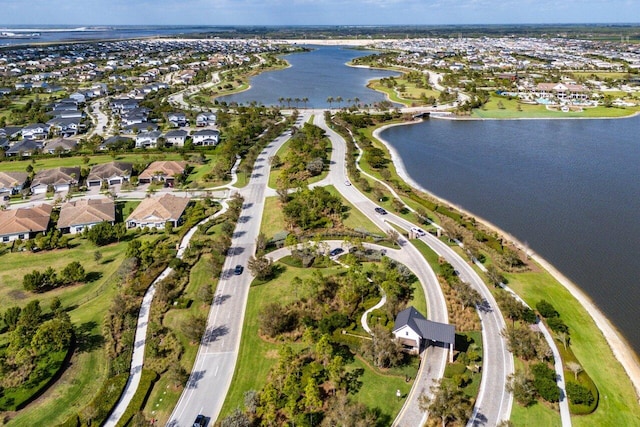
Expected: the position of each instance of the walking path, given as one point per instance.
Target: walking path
(137, 359)
(365, 315)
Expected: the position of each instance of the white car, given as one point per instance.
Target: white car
(418, 231)
(347, 183)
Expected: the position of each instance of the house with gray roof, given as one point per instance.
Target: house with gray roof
(415, 332)
(60, 145)
(148, 139)
(112, 173)
(117, 142)
(206, 137)
(25, 148)
(60, 179)
(176, 137)
(12, 182)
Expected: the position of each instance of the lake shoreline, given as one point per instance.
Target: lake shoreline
(621, 349)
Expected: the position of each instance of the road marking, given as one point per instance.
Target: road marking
(215, 374)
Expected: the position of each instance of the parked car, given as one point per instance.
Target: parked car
(238, 270)
(418, 231)
(380, 211)
(336, 251)
(347, 183)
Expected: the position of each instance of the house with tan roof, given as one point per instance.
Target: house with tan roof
(78, 215)
(112, 173)
(60, 179)
(163, 171)
(157, 211)
(12, 182)
(24, 223)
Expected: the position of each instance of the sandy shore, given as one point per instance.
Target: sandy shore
(620, 347)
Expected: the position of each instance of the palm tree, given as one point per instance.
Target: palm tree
(281, 100)
(356, 101)
(330, 101)
(305, 100)
(297, 101)
(339, 100)
(289, 102)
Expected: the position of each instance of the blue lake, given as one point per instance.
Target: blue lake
(317, 75)
(570, 189)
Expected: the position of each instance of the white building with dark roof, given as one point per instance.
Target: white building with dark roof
(415, 332)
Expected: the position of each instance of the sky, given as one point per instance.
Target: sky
(315, 12)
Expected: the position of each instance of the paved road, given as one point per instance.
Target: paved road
(215, 363)
(434, 359)
(137, 358)
(494, 402)
(98, 117)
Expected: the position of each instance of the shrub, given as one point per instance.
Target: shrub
(557, 325)
(579, 395)
(546, 310)
(544, 380)
(147, 379)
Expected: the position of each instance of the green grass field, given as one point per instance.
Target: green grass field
(491, 110)
(257, 356)
(89, 303)
(618, 401)
(538, 414)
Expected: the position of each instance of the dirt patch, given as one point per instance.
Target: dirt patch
(17, 295)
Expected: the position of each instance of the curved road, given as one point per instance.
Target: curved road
(494, 402)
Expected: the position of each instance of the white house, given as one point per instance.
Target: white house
(157, 211)
(205, 119)
(78, 215)
(415, 332)
(206, 137)
(24, 223)
(148, 139)
(176, 138)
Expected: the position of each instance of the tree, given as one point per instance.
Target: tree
(261, 267)
(522, 388)
(56, 305)
(261, 244)
(31, 316)
(205, 293)
(544, 380)
(523, 342)
(97, 256)
(575, 368)
(236, 419)
(312, 401)
(468, 296)
(11, 317)
(449, 403)
(546, 310)
(73, 273)
(193, 327)
(494, 276)
(383, 349)
(52, 335)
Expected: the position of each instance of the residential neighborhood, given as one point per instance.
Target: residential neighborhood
(172, 253)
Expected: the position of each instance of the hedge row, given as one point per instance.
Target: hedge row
(103, 402)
